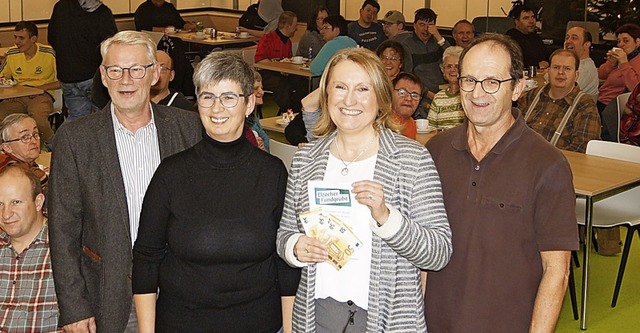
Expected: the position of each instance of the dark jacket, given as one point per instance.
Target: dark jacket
(76, 36)
(88, 215)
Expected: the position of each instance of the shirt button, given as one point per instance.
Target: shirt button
(501, 205)
(477, 167)
(13, 282)
(473, 183)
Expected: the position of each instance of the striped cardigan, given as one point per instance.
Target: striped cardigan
(412, 188)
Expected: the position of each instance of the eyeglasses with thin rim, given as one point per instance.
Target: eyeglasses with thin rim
(227, 100)
(326, 27)
(403, 93)
(389, 58)
(136, 72)
(26, 138)
(489, 85)
(164, 68)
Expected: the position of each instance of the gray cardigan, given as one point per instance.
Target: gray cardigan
(412, 188)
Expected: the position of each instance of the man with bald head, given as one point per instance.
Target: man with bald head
(578, 40)
(463, 33)
(160, 92)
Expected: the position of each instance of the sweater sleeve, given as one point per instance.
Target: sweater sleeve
(151, 243)
(631, 74)
(288, 277)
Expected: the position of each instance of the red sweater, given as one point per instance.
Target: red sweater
(271, 46)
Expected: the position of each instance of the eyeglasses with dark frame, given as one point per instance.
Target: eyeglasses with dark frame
(136, 72)
(403, 93)
(489, 85)
(326, 27)
(227, 100)
(389, 58)
(26, 138)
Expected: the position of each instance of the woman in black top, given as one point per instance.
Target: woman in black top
(209, 219)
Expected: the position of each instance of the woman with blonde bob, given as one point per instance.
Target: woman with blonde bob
(395, 208)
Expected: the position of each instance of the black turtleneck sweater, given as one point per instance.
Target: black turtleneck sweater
(207, 240)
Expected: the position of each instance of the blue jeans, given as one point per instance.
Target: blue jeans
(77, 97)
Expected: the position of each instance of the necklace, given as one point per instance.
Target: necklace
(345, 170)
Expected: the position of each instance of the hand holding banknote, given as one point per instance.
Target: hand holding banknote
(308, 249)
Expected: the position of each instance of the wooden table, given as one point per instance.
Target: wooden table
(288, 68)
(270, 124)
(19, 91)
(223, 39)
(44, 159)
(423, 138)
(596, 178)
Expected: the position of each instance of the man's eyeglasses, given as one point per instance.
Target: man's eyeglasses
(490, 86)
(390, 58)
(135, 72)
(26, 138)
(164, 68)
(404, 94)
(228, 99)
(326, 27)
(451, 66)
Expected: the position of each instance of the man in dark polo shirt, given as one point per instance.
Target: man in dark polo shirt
(510, 202)
(524, 33)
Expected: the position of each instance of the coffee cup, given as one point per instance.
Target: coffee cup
(244, 34)
(170, 29)
(422, 124)
(207, 31)
(200, 34)
(297, 60)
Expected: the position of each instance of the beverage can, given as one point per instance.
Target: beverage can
(237, 32)
(310, 54)
(214, 33)
(532, 71)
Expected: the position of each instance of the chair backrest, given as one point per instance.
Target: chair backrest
(499, 24)
(615, 150)
(154, 35)
(248, 54)
(621, 101)
(592, 27)
(283, 151)
(58, 102)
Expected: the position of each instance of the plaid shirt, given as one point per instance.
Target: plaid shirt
(27, 295)
(582, 127)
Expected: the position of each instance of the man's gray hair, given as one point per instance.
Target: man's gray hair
(224, 65)
(9, 121)
(130, 37)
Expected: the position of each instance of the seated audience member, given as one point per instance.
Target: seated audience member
(21, 145)
(250, 18)
(630, 122)
(578, 40)
(277, 45)
(31, 64)
(312, 41)
(28, 298)
(393, 24)
(334, 33)
(366, 31)
(156, 15)
(407, 92)
(446, 108)
(392, 55)
(269, 12)
(524, 33)
(296, 132)
(463, 33)
(560, 111)
(621, 71)
(423, 51)
(252, 120)
(160, 91)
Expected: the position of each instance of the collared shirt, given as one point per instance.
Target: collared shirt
(27, 295)
(139, 156)
(7, 159)
(582, 127)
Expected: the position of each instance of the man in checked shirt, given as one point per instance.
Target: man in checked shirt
(27, 295)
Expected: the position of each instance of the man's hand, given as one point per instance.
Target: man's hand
(432, 28)
(83, 326)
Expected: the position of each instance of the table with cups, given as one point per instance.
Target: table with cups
(293, 66)
(221, 38)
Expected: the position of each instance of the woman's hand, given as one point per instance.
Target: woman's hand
(308, 249)
(371, 194)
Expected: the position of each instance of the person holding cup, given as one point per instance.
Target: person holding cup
(621, 71)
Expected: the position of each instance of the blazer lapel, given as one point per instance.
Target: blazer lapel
(164, 130)
(106, 143)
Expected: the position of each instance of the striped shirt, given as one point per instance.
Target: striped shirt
(27, 295)
(139, 156)
(446, 110)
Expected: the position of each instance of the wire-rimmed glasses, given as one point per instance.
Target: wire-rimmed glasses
(136, 72)
(227, 99)
(26, 138)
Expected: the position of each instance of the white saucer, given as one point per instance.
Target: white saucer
(282, 122)
(297, 63)
(245, 37)
(427, 130)
(196, 37)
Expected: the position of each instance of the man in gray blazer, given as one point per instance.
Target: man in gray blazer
(100, 171)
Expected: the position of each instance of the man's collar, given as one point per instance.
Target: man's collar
(283, 38)
(118, 126)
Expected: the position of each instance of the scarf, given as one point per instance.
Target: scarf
(633, 54)
(90, 5)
